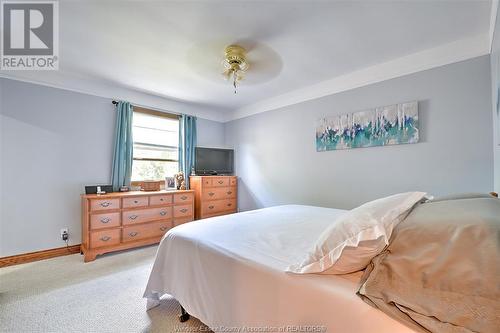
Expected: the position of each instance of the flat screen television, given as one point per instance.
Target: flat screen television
(213, 161)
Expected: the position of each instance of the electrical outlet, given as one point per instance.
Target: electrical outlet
(64, 234)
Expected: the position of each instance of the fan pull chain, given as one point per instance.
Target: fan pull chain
(234, 81)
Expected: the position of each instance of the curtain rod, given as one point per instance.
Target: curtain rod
(151, 108)
(155, 109)
(114, 102)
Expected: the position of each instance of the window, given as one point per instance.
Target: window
(156, 142)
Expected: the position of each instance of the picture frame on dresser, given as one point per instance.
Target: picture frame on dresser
(118, 221)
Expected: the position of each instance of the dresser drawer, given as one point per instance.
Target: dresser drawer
(158, 200)
(182, 220)
(183, 197)
(183, 211)
(145, 215)
(156, 229)
(135, 202)
(226, 212)
(104, 238)
(104, 204)
(104, 220)
(230, 204)
(220, 181)
(216, 206)
(216, 193)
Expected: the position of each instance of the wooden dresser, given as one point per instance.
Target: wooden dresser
(118, 221)
(214, 195)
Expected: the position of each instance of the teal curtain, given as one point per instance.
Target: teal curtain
(187, 143)
(122, 155)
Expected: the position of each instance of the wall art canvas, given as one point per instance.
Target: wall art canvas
(387, 125)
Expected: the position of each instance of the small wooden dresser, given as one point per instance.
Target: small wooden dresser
(118, 221)
(214, 195)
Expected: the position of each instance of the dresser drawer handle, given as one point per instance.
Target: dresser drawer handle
(220, 182)
(161, 199)
(135, 201)
(163, 228)
(229, 192)
(163, 213)
(105, 238)
(184, 210)
(229, 204)
(105, 220)
(184, 197)
(211, 207)
(211, 194)
(133, 217)
(105, 204)
(133, 233)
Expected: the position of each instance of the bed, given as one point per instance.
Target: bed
(229, 272)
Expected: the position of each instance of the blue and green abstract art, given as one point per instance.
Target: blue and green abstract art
(388, 125)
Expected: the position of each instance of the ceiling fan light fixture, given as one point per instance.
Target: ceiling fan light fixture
(235, 64)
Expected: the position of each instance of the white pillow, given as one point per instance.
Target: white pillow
(358, 236)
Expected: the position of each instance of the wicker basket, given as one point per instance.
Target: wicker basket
(150, 186)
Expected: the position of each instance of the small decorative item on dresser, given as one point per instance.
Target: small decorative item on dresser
(170, 183)
(179, 180)
(149, 185)
(124, 189)
(100, 191)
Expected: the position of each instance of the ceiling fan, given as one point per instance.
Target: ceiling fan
(235, 64)
(247, 60)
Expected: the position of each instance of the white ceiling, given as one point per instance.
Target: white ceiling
(174, 49)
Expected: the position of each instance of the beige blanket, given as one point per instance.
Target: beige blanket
(441, 271)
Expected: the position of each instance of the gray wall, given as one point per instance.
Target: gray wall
(495, 84)
(209, 133)
(52, 143)
(277, 162)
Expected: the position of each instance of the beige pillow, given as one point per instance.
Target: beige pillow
(441, 272)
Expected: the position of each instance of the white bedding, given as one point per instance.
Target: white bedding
(229, 271)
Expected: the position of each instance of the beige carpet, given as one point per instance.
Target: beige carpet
(65, 295)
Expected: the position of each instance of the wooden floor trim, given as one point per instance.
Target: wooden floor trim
(38, 255)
